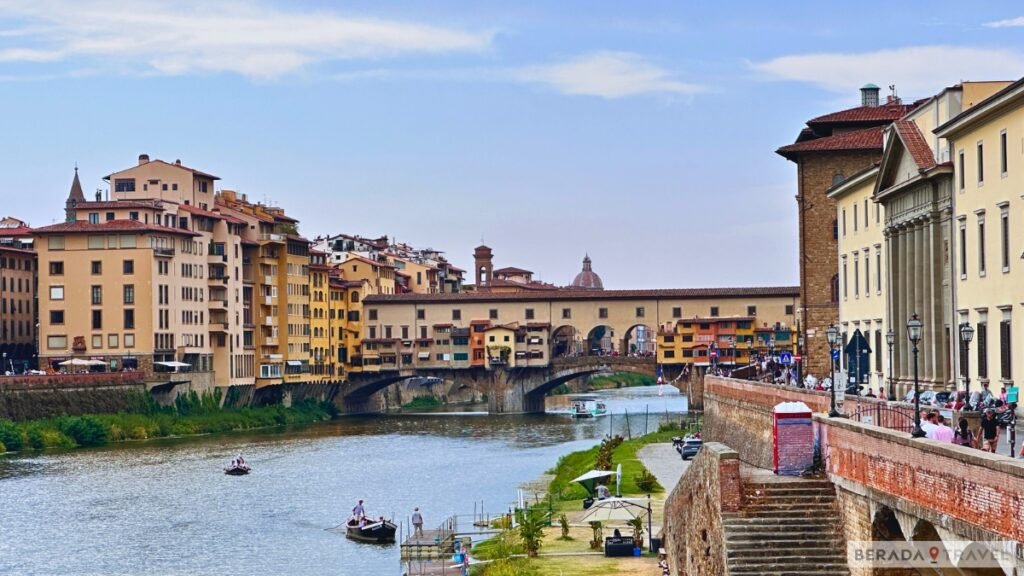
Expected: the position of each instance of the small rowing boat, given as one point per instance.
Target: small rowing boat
(237, 470)
(380, 532)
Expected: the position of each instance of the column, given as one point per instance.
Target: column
(928, 301)
(908, 302)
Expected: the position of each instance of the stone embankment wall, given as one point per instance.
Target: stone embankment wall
(693, 535)
(32, 397)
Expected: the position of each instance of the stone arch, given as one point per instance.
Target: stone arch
(600, 340)
(927, 538)
(885, 527)
(566, 341)
(978, 560)
(638, 339)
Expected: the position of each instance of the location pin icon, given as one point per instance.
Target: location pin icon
(934, 551)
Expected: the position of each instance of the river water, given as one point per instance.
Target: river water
(165, 507)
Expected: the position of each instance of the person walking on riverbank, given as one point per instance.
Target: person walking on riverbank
(417, 523)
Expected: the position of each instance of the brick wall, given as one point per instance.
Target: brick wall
(973, 493)
(693, 535)
(818, 247)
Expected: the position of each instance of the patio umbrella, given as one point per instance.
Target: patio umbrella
(76, 362)
(590, 479)
(614, 510)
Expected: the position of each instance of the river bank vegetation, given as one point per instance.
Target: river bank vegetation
(191, 414)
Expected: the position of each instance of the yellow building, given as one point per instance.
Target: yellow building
(321, 337)
(988, 178)
(725, 341)
(862, 280)
(378, 274)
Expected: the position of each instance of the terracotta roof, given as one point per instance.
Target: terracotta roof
(562, 294)
(15, 232)
(109, 226)
(512, 270)
(368, 261)
(218, 215)
(867, 139)
(107, 204)
(864, 115)
(915, 143)
(6, 248)
(715, 319)
(177, 164)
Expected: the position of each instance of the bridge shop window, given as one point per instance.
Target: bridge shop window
(677, 312)
(421, 314)
(602, 312)
(492, 313)
(456, 314)
(529, 313)
(566, 313)
(714, 311)
(371, 314)
(751, 310)
(640, 311)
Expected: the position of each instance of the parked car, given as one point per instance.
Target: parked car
(927, 397)
(690, 448)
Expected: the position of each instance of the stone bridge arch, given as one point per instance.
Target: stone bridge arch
(639, 338)
(600, 340)
(567, 340)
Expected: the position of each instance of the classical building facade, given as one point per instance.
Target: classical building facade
(18, 316)
(828, 150)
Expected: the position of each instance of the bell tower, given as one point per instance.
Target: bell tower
(482, 258)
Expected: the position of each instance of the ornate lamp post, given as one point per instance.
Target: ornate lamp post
(914, 333)
(890, 339)
(966, 335)
(833, 337)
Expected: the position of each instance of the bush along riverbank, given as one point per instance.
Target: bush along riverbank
(563, 547)
(191, 414)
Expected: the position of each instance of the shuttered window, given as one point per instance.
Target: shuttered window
(1006, 354)
(982, 349)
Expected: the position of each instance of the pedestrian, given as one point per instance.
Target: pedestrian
(942, 433)
(962, 436)
(988, 432)
(928, 424)
(358, 512)
(417, 523)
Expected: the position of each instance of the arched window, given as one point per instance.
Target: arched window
(835, 288)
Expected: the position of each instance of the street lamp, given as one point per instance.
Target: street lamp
(833, 337)
(966, 335)
(890, 339)
(914, 333)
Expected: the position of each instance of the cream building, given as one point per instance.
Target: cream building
(862, 286)
(987, 148)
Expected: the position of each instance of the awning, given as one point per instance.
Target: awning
(293, 363)
(173, 364)
(424, 355)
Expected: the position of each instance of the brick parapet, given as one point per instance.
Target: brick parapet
(70, 381)
(693, 536)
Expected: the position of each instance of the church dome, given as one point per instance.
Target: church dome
(587, 279)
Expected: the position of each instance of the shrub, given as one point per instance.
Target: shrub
(598, 540)
(84, 430)
(645, 480)
(531, 530)
(637, 524)
(10, 436)
(563, 522)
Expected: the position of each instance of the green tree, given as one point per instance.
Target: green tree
(531, 530)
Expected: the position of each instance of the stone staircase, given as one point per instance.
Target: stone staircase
(787, 527)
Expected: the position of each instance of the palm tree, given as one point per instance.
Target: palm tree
(531, 531)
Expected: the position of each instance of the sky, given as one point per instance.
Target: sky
(642, 133)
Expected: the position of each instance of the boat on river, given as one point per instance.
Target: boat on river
(237, 470)
(380, 532)
(587, 408)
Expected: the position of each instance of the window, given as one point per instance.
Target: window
(854, 217)
(846, 275)
(981, 246)
(856, 275)
(866, 213)
(461, 356)
(844, 221)
(963, 249)
(129, 319)
(1002, 152)
(640, 311)
(714, 311)
(94, 217)
(837, 179)
(129, 294)
(97, 295)
(387, 332)
(128, 266)
(110, 216)
(1006, 353)
(963, 178)
(529, 314)
(835, 288)
(129, 340)
(56, 317)
(112, 340)
(405, 332)
(878, 350)
(492, 313)
(56, 268)
(456, 314)
(371, 314)
(124, 185)
(97, 319)
(789, 309)
(97, 341)
(421, 314)
(751, 310)
(1004, 224)
(56, 292)
(878, 270)
(670, 353)
(96, 267)
(677, 312)
(56, 342)
(602, 312)
(982, 337)
(566, 312)
(835, 229)
(355, 297)
(981, 163)
(867, 274)
(55, 242)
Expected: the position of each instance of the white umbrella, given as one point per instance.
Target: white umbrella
(590, 479)
(76, 362)
(615, 510)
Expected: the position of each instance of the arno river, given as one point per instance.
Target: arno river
(165, 507)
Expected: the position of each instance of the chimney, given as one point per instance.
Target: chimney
(99, 195)
(143, 159)
(869, 95)
(177, 162)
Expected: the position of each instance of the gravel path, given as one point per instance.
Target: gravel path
(664, 462)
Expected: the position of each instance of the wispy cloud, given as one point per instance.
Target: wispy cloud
(1008, 23)
(607, 75)
(239, 36)
(912, 69)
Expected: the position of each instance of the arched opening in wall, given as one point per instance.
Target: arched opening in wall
(600, 341)
(835, 288)
(977, 560)
(639, 340)
(566, 342)
(885, 527)
(927, 539)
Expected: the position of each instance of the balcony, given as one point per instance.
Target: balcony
(269, 300)
(218, 326)
(217, 258)
(218, 304)
(270, 341)
(164, 252)
(270, 320)
(269, 280)
(218, 279)
(271, 237)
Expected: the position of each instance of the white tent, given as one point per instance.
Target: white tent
(614, 510)
(590, 479)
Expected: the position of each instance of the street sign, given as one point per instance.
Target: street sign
(835, 354)
(713, 353)
(786, 358)
(797, 358)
